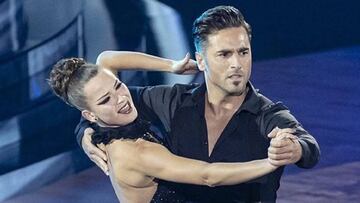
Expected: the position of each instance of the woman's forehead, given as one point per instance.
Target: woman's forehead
(100, 84)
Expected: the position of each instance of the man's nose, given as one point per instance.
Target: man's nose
(235, 62)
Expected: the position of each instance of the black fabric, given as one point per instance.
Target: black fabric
(166, 193)
(240, 141)
(243, 139)
(137, 129)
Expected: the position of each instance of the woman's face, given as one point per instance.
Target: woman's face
(109, 100)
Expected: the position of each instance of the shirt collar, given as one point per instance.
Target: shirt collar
(250, 104)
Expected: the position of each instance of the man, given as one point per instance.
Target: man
(225, 119)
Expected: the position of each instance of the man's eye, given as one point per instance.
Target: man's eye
(224, 54)
(244, 53)
(106, 100)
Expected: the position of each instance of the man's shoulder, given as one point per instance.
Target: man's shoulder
(178, 88)
(185, 88)
(267, 105)
(176, 91)
(164, 95)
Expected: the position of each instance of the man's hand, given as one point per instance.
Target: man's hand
(284, 147)
(94, 153)
(185, 66)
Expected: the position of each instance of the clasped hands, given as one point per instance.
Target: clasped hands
(284, 147)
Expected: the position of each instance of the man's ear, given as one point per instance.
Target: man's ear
(200, 61)
(88, 115)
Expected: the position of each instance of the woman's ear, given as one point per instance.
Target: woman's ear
(200, 61)
(88, 115)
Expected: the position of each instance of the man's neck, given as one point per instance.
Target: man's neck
(220, 102)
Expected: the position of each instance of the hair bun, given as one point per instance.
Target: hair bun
(61, 74)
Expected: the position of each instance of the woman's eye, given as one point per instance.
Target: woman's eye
(106, 100)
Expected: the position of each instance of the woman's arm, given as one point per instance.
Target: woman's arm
(127, 60)
(155, 160)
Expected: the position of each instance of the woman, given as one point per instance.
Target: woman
(136, 158)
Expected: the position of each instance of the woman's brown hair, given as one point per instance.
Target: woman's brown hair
(67, 79)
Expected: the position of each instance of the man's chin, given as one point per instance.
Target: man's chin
(236, 93)
(237, 90)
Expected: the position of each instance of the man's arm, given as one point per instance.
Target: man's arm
(155, 160)
(80, 129)
(83, 134)
(303, 150)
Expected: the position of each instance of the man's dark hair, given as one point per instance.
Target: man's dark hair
(216, 19)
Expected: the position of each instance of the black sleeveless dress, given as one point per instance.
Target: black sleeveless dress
(166, 194)
(138, 129)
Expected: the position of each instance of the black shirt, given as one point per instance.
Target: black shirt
(180, 110)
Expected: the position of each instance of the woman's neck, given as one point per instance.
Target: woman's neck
(103, 124)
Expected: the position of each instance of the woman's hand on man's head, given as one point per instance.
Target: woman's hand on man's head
(185, 66)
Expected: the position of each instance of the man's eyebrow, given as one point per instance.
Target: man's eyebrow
(223, 50)
(244, 49)
(230, 50)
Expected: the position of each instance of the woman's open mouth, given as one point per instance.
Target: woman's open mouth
(125, 109)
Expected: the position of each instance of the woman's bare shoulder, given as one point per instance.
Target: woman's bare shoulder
(122, 149)
(129, 151)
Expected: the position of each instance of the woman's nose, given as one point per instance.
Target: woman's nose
(120, 98)
(118, 101)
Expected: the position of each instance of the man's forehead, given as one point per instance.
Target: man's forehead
(229, 38)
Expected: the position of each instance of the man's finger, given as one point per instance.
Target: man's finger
(100, 163)
(86, 140)
(284, 130)
(279, 150)
(276, 131)
(279, 163)
(280, 142)
(292, 138)
(89, 131)
(98, 152)
(273, 133)
(91, 149)
(279, 157)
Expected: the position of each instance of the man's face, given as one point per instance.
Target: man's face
(226, 60)
(109, 100)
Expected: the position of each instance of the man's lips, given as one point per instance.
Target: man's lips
(126, 108)
(235, 76)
